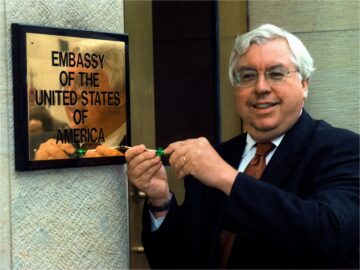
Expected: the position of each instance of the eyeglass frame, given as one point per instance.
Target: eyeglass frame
(236, 81)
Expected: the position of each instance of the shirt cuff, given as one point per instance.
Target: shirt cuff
(155, 222)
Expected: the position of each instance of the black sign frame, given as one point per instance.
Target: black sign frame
(20, 97)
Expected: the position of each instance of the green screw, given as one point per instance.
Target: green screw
(160, 152)
(81, 152)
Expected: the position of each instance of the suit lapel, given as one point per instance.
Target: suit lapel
(289, 152)
(232, 150)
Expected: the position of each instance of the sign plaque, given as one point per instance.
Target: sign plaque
(71, 97)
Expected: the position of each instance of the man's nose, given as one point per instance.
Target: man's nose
(262, 85)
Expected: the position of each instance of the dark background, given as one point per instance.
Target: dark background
(185, 70)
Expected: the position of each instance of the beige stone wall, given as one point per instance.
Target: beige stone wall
(232, 22)
(63, 218)
(5, 241)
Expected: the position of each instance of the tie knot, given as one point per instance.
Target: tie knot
(262, 149)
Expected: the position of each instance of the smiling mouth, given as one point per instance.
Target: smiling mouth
(264, 105)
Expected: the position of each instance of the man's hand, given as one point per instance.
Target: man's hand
(146, 172)
(198, 158)
(52, 150)
(103, 151)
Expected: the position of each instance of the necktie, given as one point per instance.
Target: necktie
(255, 168)
(257, 165)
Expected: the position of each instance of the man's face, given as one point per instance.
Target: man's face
(269, 110)
(95, 114)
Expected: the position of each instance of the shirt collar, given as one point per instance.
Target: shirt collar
(250, 143)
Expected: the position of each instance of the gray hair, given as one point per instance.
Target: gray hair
(114, 62)
(267, 32)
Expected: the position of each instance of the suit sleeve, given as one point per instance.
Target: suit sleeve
(164, 246)
(323, 220)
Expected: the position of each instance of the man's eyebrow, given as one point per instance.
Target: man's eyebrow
(241, 68)
(275, 66)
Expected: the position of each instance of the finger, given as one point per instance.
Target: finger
(144, 179)
(180, 148)
(56, 152)
(68, 148)
(52, 141)
(137, 156)
(182, 167)
(184, 171)
(41, 153)
(134, 151)
(138, 170)
(105, 151)
(175, 146)
(178, 163)
(92, 154)
(53, 149)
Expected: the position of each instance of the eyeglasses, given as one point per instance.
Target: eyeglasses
(250, 77)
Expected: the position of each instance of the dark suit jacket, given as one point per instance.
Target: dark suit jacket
(302, 213)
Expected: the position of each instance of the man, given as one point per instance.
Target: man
(98, 115)
(302, 211)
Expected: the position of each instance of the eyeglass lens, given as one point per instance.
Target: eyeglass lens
(249, 77)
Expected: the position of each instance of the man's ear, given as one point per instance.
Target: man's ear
(305, 85)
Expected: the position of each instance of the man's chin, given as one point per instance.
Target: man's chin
(263, 126)
(263, 132)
